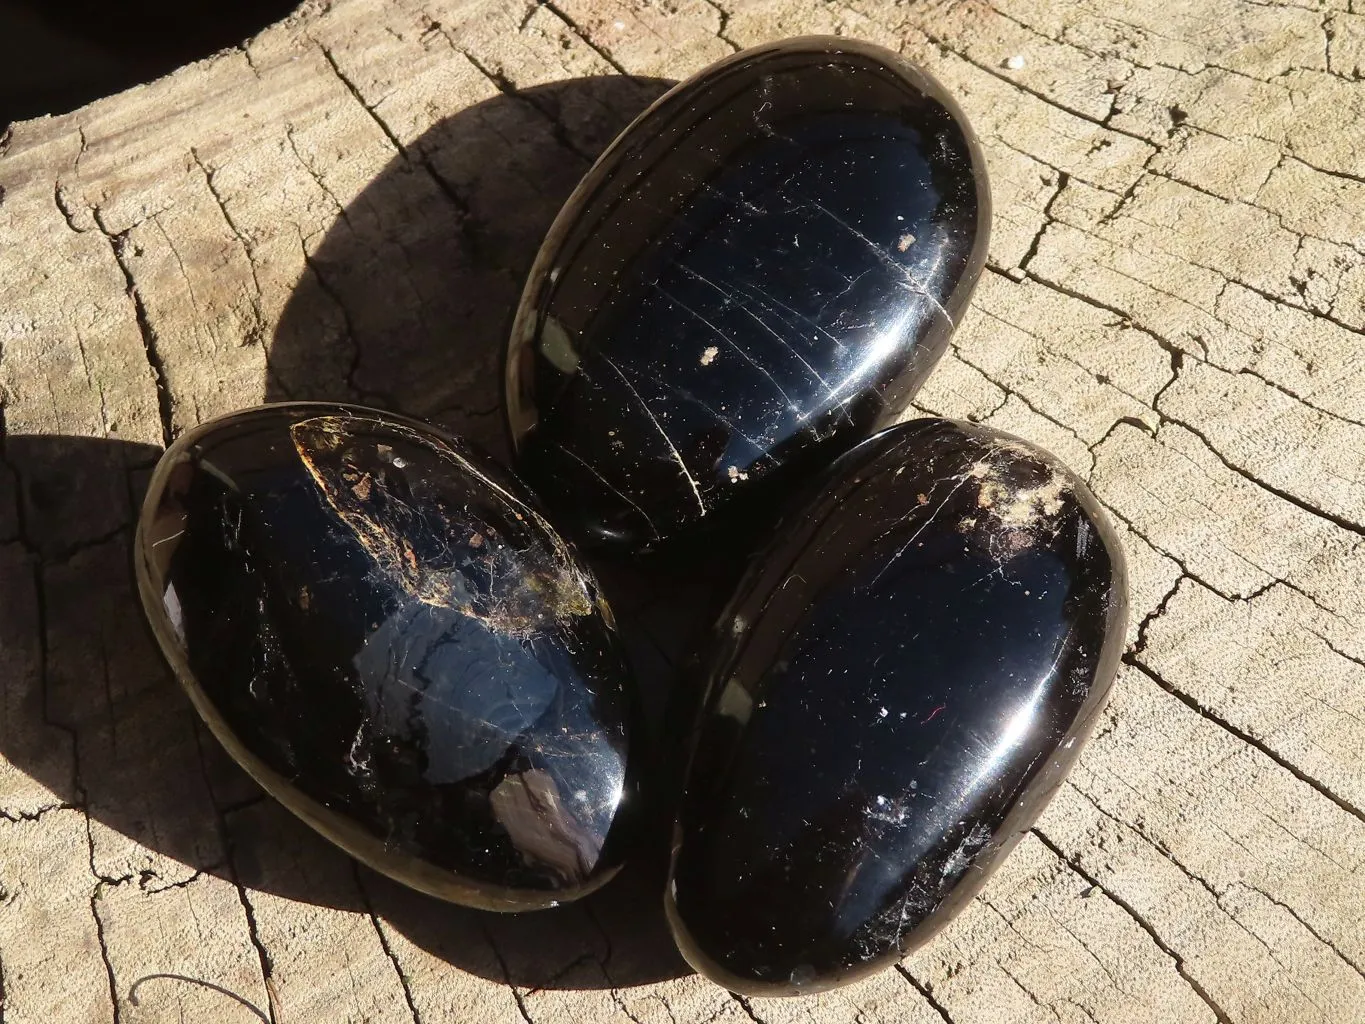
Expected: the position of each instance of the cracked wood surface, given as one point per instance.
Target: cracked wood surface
(344, 208)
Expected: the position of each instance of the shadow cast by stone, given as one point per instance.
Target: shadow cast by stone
(92, 713)
(408, 298)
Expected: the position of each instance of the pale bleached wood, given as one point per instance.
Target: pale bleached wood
(344, 208)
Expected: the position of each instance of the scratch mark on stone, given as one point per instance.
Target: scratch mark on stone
(929, 519)
(728, 341)
(608, 484)
(677, 456)
(761, 323)
(883, 257)
(759, 295)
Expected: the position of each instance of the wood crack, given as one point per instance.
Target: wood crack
(1009, 393)
(1349, 961)
(118, 244)
(403, 980)
(1125, 318)
(16, 817)
(1218, 897)
(1321, 788)
(1337, 650)
(356, 354)
(233, 875)
(1180, 562)
(1172, 347)
(1276, 299)
(583, 37)
(507, 977)
(1247, 371)
(926, 991)
(1063, 179)
(1140, 643)
(508, 89)
(744, 1004)
(64, 207)
(1205, 885)
(1177, 356)
(1042, 97)
(1142, 923)
(464, 215)
(356, 95)
(1300, 503)
(256, 333)
(722, 31)
(95, 895)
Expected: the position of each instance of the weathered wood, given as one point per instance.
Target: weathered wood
(344, 208)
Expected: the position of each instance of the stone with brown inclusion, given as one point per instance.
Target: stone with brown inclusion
(898, 686)
(386, 633)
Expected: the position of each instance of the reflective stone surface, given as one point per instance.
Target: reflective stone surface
(898, 687)
(390, 638)
(754, 277)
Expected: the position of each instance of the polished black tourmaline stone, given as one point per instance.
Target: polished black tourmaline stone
(388, 636)
(898, 687)
(757, 274)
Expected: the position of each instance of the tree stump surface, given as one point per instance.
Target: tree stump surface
(345, 207)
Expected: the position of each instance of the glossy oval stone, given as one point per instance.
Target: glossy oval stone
(385, 632)
(755, 276)
(899, 685)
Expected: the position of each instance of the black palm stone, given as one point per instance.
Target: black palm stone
(897, 688)
(385, 633)
(757, 275)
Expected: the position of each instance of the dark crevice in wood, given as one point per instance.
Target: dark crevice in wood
(1317, 786)
(118, 243)
(1142, 923)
